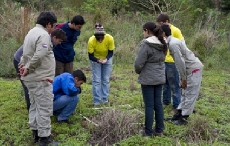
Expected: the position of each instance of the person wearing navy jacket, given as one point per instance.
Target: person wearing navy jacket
(64, 53)
(66, 88)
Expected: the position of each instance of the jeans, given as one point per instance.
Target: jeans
(23, 85)
(172, 85)
(152, 99)
(64, 106)
(101, 74)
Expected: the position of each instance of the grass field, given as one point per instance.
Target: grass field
(210, 125)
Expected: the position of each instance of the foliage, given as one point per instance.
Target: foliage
(205, 35)
(208, 126)
(112, 6)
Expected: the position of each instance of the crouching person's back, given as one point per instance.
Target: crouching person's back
(66, 88)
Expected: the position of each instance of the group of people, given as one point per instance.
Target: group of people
(164, 62)
(44, 64)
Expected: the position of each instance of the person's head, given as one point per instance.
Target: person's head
(48, 20)
(99, 32)
(79, 77)
(77, 22)
(58, 35)
(151, 29)
(166, 29)
(163, 18)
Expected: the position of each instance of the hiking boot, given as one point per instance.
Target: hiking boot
(181, 121)
(66, 121)
(45, 141)
(177, 116)
(35, 136)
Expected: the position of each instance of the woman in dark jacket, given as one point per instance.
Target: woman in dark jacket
(149, 64)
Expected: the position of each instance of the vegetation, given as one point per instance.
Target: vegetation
(205, 28)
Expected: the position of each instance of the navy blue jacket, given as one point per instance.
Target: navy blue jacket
(64, 52)
(63, 84)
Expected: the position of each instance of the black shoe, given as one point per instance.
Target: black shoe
(181, 121)
(45, 141)
(177, 116)
(66, 121)
(35, 136)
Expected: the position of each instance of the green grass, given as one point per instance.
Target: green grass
(209, 126)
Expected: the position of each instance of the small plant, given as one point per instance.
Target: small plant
(114, 126)
(200, 129)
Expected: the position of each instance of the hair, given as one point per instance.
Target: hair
(59, 34)
(46, 17)
(78, 20)
(156, 31)
(79, 74)
(166, 29)
(163, 17)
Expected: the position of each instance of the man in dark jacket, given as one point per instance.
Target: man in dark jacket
(64, 53)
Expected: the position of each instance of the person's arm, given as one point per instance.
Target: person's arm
(42, 45)
(110, 54)
(68, 86)
(92, 58)
(140, 59)
(111, 48)
(176, 32)
(178, 59)
(90, 49)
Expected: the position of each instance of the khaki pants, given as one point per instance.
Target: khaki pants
(63, 67)
(41, 106)
(190, 94)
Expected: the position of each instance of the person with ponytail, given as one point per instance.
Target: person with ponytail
(149, 64)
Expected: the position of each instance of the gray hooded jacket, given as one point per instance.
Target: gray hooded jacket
(149, 62)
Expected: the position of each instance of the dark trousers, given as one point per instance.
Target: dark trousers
(153, 103)
(171, 88)
(23, 85)
(63, 67)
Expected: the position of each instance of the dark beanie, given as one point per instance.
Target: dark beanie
(99, 30)
(166, 29)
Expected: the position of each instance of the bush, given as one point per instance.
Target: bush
(8, 49)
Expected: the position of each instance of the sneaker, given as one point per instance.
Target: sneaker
(142, 132)
(66, 121)
(181, 121)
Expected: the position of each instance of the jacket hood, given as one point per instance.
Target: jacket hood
(154, 42)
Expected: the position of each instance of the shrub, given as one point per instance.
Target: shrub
(114, 126)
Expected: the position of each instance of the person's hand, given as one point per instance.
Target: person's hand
(100, 61)
(183, 84)
(23, 71)
(104, 61)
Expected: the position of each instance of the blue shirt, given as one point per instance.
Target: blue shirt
(64, 52)
(63, 84)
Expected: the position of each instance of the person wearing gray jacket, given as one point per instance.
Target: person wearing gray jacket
(190, 69)
(37, 70)
(149, 64)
